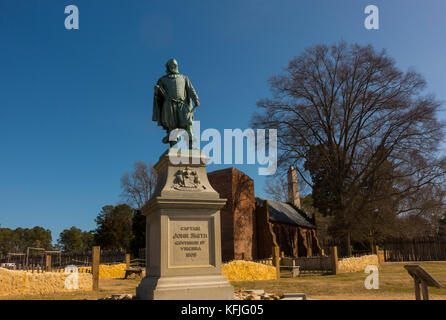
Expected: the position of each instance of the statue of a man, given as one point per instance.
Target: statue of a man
(172, 103)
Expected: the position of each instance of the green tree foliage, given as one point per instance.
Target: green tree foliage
(19, 239)
(10, 241)
(88, 240)
(321, 221)
(114, 227)
(74, 239)
(137, 188)
(139, 232)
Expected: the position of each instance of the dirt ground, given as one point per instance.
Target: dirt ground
(107, 287)
(394, 284)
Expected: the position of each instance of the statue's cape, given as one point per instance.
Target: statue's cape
(158, 101)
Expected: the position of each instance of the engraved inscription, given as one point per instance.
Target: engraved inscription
(189, 242)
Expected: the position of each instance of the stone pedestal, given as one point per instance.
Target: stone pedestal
(183, 246)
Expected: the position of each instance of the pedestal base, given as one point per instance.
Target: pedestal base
(212, 287)
(183, 244)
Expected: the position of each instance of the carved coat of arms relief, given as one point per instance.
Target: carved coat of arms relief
(187, 179)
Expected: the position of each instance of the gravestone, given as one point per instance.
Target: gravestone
(183, 245)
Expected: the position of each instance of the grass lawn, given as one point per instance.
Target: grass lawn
(395, 283)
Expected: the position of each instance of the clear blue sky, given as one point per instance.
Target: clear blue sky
(75, 106)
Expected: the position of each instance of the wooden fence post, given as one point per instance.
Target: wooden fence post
(127, 260)
(276, 260)
(334, 259)
(378, 254)
(95, 261)
(48, 263)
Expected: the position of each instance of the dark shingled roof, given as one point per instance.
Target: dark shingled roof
(286, 213)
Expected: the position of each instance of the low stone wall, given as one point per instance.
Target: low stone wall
(356, 264)
(22, 282)
(239, 270)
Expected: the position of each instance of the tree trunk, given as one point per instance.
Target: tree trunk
(349, 247)
(372, 243)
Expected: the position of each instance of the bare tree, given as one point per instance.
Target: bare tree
(342, 112)
(277, 187)
(430, 204)
(138, 186)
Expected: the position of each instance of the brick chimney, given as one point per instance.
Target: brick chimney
(293, 188)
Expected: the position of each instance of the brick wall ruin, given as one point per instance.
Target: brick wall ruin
(246, 232)
(237, 216)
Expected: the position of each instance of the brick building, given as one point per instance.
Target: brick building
(238, 231)
(251, 226)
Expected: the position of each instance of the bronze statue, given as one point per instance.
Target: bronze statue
(172, 103)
